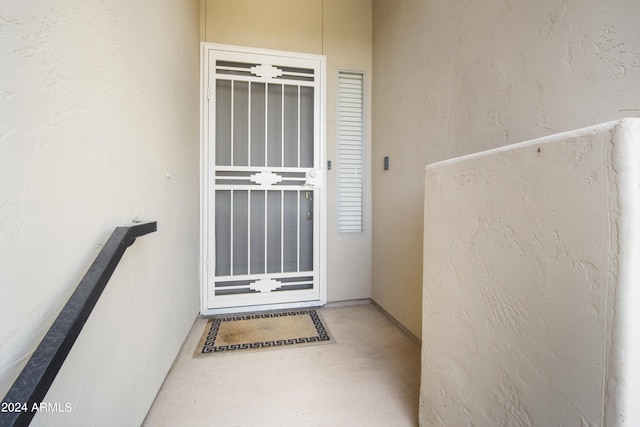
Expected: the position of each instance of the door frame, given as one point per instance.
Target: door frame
(206, 224)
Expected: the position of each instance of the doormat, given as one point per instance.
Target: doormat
(263, 331)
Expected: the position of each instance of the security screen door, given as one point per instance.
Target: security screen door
(263, 186)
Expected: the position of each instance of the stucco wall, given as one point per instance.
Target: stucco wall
(454, 77)
(342, 31)
(98, 127)
(531, 283)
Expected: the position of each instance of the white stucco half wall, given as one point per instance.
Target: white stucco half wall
(531, 296)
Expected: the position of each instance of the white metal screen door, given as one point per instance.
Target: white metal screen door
(263, 184)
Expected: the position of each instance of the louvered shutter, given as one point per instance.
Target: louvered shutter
(350, 170)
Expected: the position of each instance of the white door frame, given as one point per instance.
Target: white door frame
(206, 214)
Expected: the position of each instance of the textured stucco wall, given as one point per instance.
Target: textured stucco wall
(342, 31)
(530, 283)
(453, 77)
(98, 127)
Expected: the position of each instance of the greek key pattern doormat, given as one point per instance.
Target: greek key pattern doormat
(262, 331)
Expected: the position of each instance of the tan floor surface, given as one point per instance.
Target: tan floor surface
(369, 377)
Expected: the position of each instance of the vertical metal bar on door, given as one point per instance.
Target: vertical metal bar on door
(232, 233)
(249, 231)
(266, 163)
(298, 133)
(282, 130)
(266, 127)
(233, 98)
(281, 230)
(282, 114)
(249, 92)
(266, 225)
(299, 194)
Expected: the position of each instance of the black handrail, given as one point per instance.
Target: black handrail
(25, 396)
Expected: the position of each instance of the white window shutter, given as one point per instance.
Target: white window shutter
(350, 155)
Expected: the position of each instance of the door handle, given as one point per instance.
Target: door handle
(311, 178)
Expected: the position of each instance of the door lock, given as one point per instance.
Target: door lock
(312, 177)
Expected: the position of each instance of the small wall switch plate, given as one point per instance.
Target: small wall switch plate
(386, 163)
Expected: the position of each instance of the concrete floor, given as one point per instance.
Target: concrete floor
(369, 377)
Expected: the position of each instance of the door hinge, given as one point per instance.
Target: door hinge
(208, 263)
(209, 93)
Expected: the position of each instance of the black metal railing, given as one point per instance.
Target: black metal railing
(24, 398)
